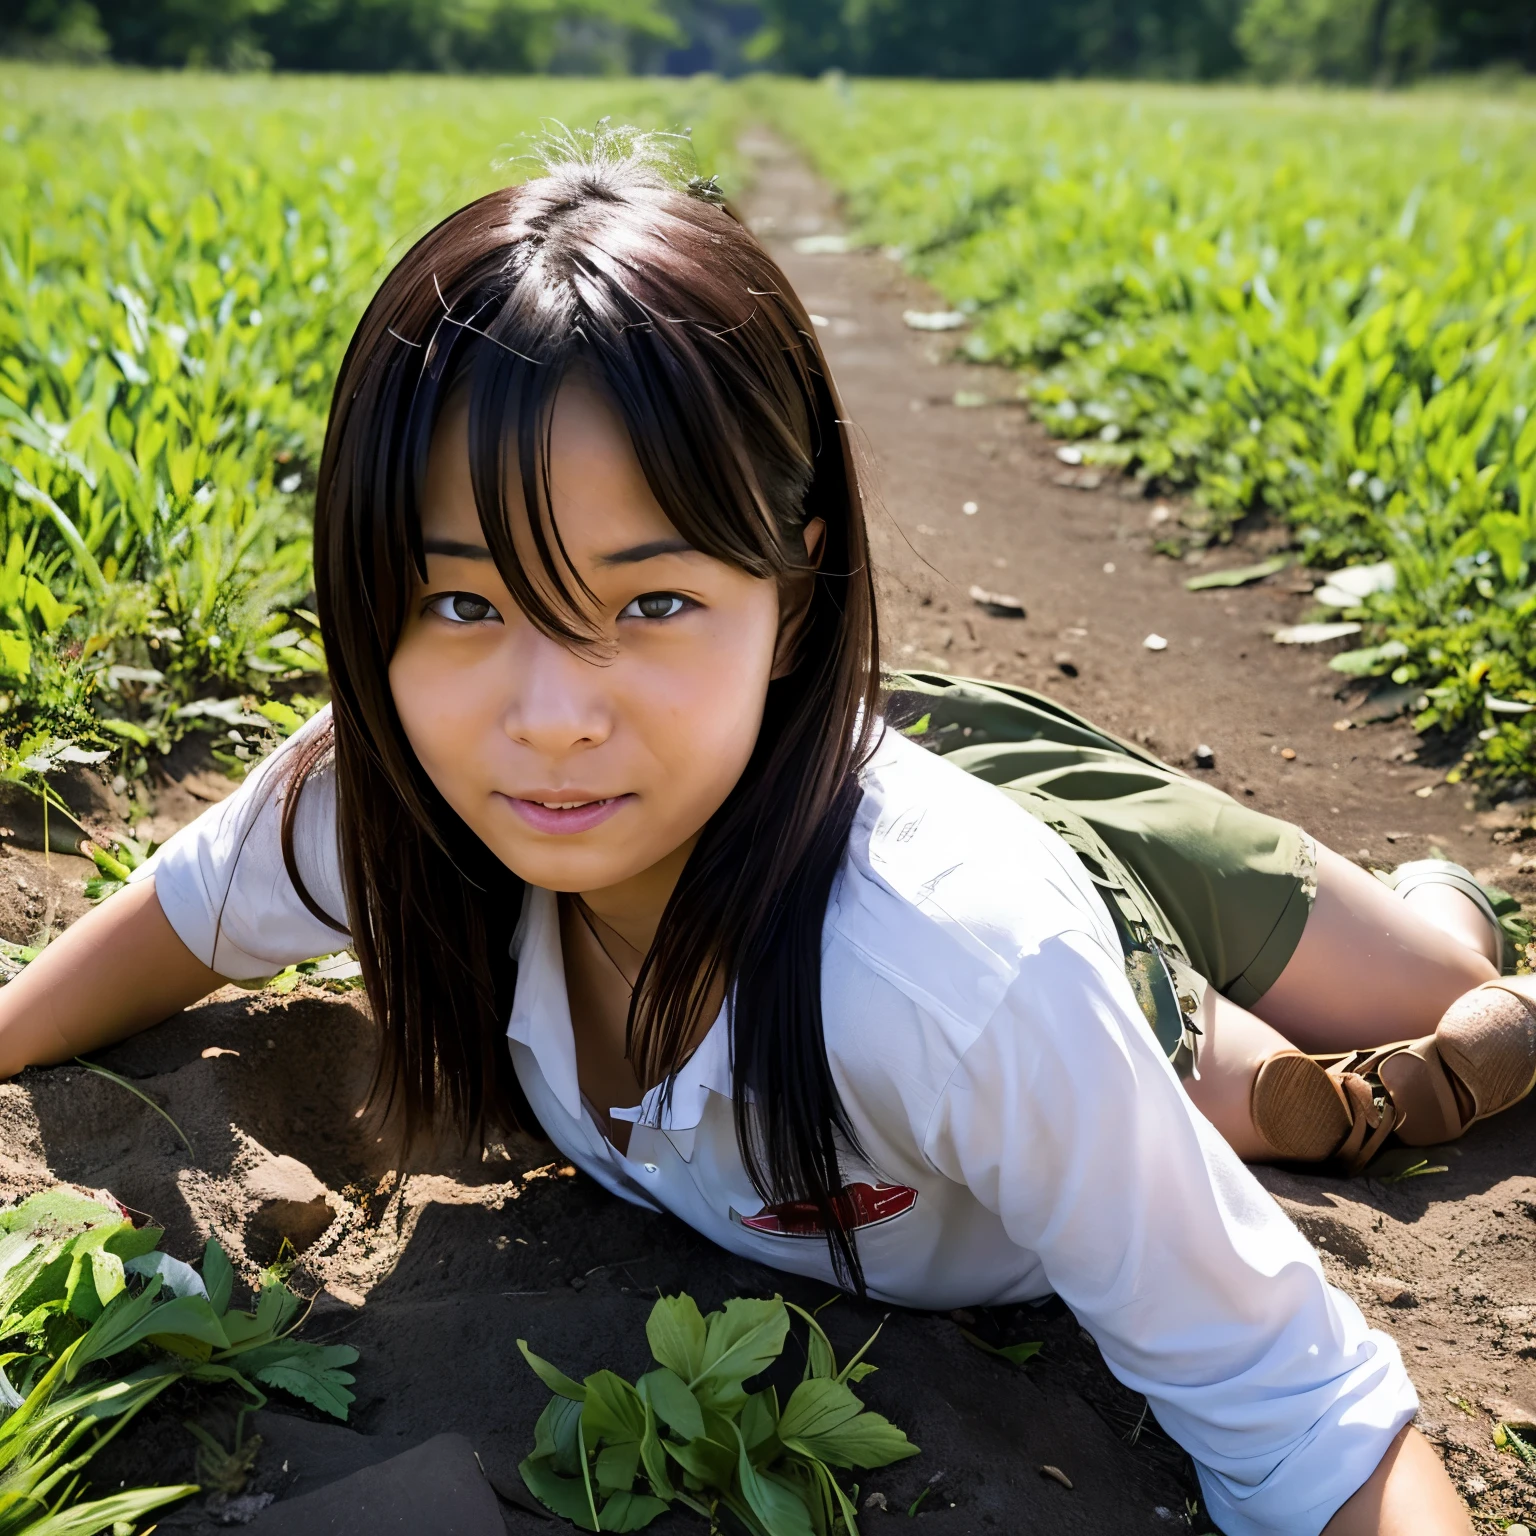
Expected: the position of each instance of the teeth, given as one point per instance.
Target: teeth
(569, 805)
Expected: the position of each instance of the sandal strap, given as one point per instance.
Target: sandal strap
(1374, 1119)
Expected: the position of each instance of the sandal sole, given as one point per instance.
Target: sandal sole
(1298, 1110)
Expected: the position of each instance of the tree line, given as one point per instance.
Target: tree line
(1348, 41)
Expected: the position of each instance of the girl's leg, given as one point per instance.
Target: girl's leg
(1373, 967)
(1234, 1044)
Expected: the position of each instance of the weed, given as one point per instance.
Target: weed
(697, 1437)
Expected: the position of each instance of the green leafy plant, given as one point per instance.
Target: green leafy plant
(692, 1433)
(96, 1322)
(1317, 306)
(114, 867)
(181, 265)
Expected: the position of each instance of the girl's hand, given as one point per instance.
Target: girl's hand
(1409, 1494)
(116, 971)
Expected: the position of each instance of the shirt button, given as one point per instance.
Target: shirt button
(650, 1167)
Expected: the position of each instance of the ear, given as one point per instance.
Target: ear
(795, 591)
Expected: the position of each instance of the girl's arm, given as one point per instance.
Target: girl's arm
(116, 971)
(1408, 1494)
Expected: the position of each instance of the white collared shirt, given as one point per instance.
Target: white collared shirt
(1021, 1131)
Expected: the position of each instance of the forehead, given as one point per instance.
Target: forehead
(599, 496)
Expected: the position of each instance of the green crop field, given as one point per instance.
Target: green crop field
(182, 258)
(1322, 305)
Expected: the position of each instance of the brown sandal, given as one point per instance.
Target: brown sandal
(1480, 1060)
(1320, 1109)
(1487, 1041)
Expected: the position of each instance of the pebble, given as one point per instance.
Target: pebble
(1155, 643)
(1392, 1291)
(1288, 753)
(1204, 757)
(970, 509)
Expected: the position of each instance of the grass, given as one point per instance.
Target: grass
(182, 259)
(1317, 306)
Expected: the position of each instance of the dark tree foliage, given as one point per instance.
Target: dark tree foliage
(361, 35)
(1477, 33)
(981, 39)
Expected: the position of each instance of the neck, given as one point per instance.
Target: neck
(633, 907)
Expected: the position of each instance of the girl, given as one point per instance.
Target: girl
(607, 772)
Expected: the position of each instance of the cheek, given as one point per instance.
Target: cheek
(702, 714)
(440, 709)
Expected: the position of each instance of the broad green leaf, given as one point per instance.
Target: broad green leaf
(759, 1424)
(706, 1459)
(218, 1276)
(566, 1496)
(556, 1380)
(616, 1465)
(611, 1409)
(781, 1510)
(118, 1327)
(183, 1316)
(629, 1512)
(743, 1338)
(555, 1436)
(653, 1457)
(868, 1440)
(676, 1334)
(817, 1407)
(276, 1306)
(675, 1405)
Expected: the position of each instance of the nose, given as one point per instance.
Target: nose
(559, 702)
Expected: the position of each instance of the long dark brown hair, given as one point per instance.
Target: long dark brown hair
(613, 262)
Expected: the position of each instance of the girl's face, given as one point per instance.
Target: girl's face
(581, 769)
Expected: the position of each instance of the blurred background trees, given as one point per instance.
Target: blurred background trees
(1347, 41)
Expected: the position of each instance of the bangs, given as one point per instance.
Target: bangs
(713, 373)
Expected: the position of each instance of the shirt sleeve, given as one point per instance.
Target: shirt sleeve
(222, 883)
(1064, 1118)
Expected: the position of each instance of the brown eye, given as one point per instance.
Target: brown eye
(654, 605)
(462, 608)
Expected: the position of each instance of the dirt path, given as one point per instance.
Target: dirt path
(434, 1270)
(1447, 1261)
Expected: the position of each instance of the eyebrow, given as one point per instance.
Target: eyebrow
(454, 550)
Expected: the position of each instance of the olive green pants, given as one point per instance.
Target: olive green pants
(1203, 890)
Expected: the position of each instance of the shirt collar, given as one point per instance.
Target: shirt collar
(541, 1021)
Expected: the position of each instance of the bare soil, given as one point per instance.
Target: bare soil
(433, 1265)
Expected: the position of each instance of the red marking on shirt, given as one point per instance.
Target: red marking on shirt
(857, 1205)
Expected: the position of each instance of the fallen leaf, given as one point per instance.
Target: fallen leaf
(933, 319)
(999, 604)
(1314, 634)
(1240, 576)
(1351, 586)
